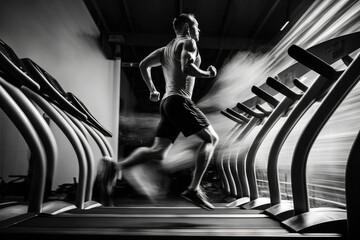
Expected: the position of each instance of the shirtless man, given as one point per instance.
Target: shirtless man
(180, 61)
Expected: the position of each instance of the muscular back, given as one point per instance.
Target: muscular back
(177, 82)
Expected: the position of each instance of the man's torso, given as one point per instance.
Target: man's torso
(177, 82)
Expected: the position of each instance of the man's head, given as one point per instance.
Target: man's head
(186, 25)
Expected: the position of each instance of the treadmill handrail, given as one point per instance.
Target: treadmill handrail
(231, 117)
(42, 128)
(313, 62)
(48, 90)
(265, 96)
(90, 118)
(90, 160)
(102, 147)
(249, 111)
(263, 110)
(238, 115)
(348, 43)
(54, 114)
(283, 89)
(347, 60)
(319, 87)
(270, 122)
(300, 85)
(11, 65)
(21, 121)
(332, 100)
(352, 189)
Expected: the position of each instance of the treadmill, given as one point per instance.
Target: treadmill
(160, 225)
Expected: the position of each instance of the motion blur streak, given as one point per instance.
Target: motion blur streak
(324, 20)
(326, 165)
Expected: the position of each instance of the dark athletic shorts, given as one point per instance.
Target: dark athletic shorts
(179, 114)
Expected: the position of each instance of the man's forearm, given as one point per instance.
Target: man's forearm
(195, 71)
(146, 75)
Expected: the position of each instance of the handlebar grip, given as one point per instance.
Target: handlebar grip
(50, 88)
(313, 62)
(238, 115)
(283, 89)
(250, 111)
(11, 66)
(300, 85)
(263, 110)
(264, 96)
(347, 60)
(235, 119)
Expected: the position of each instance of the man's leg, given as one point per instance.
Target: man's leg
(203, 157)
(157, 151)
(144, 172)
(108, 169)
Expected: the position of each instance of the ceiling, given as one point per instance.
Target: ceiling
(131, 29)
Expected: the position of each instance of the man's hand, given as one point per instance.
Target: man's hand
(154, 96)
(212, 71)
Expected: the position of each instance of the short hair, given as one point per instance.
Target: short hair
(180, 21)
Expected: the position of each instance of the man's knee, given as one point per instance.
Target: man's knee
(209, 135)
(151, 152)
(215, 139)
(160, 148)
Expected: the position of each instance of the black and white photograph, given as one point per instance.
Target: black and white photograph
(179, 119)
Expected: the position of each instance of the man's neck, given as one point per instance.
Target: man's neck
(182, 36)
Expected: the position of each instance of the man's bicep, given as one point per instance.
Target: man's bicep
(188, 53)
(186, 57)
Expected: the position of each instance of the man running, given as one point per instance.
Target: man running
(180, 61)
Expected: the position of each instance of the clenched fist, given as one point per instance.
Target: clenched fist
(154, 96)
(212, 71)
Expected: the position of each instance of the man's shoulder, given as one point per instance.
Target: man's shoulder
(190, 44)
(189, 41)
(161, 49)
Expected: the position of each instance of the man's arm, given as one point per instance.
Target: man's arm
(188, 66)
(152, 60)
